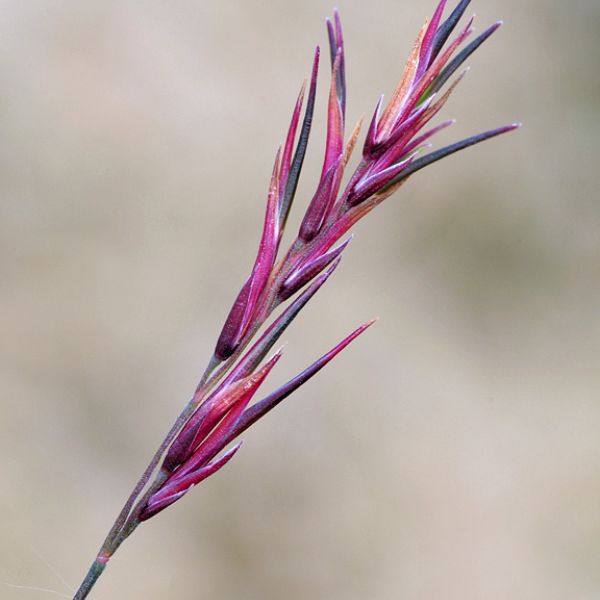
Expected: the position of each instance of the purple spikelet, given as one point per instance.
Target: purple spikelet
(394, 148)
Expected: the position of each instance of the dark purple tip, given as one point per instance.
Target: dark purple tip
(298, 160)
(447, 27)
(460, 58)
(429, 159)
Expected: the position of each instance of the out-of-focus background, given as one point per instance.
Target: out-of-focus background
(452, 452)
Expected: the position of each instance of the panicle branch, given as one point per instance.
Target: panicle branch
(394, 148)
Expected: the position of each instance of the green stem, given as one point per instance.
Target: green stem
(124, 521)
(90, 579)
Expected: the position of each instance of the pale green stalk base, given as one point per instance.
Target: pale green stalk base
(90, 579)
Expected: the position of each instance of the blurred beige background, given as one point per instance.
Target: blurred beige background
(452, 453)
